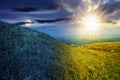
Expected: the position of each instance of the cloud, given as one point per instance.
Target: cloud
(26, 9)
(52, 21)
(44, 21)
(22, 23)
(109, 8)
(110, 11)
(52, 6)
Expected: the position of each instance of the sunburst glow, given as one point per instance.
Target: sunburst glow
(28, 22)
(91, 22)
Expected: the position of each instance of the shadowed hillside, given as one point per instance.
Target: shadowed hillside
(26, 54)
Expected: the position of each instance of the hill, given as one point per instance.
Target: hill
(27, 54)
(113, 47)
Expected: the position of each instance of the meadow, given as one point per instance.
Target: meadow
(97, 61)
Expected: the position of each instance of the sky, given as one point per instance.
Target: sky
(59, 18)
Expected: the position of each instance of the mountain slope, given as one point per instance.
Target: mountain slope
(26, 54)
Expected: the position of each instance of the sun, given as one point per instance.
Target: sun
(91, 22)
(28, 22)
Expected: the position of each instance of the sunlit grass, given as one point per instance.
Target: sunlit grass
(105, 46)
(87, 64)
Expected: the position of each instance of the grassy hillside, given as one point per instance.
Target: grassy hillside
(112, 47)
(96, 65)
(26, 54)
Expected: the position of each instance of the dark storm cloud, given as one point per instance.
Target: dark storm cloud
(52, 6)
(27, 9)
(52, 21)
(55, 6)
(45, 21)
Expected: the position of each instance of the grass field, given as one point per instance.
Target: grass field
(112, 47)
(92, 62)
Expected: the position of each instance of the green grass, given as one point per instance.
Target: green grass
(112, 47)
(87, 63)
